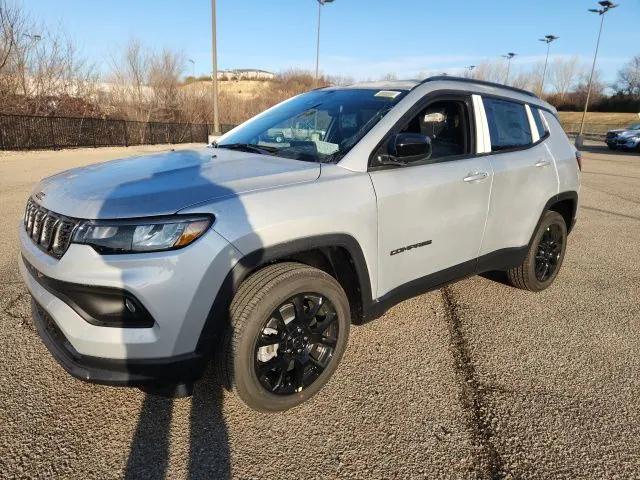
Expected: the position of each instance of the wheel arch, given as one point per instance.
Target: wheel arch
(339, 255)
(566, 204)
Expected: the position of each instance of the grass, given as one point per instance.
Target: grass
(621, 119)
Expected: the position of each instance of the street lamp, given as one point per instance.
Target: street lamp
(508, 56)
(214, 73)
(547, 39)
(193, 68)
(606, 6)
(34, 37)
(320, 4)
(470, 68)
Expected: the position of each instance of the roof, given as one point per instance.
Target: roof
(479, 86)
(386, 85)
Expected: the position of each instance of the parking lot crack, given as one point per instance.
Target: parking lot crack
(487, 459)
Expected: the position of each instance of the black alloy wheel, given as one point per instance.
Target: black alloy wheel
(296, 343)
(548, 252)
(545, 255)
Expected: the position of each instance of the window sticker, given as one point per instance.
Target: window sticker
(387, 94)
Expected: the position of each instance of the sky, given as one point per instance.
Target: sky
(362, 39)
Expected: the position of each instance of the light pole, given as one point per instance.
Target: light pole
(547, 39)
(193, 68)
(34, 38)
(508, 56)
(320, 4)
(471, 68)
(606, 6)
(214, 73)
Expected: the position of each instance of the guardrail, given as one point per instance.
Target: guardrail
(27, 132)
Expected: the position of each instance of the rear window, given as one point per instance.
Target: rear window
(508, 124)
(540, 124)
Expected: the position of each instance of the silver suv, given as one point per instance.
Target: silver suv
(259, 253)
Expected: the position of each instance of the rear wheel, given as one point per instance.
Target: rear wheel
(545, 255)
(289, 329)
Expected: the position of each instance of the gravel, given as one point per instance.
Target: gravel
(477, 380)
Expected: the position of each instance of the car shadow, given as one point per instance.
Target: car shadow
(197, 174)
(209, 455)
(496, 276)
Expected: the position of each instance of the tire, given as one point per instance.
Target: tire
(261, 306)
(543, 250)
(611, 147)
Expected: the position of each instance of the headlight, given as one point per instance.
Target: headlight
(142, 235)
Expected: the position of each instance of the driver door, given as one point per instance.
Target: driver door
(432, 212)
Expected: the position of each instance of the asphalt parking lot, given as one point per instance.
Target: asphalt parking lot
(477, 380)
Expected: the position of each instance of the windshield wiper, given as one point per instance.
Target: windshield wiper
(250, 147)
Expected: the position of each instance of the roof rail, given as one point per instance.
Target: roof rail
(477, 82)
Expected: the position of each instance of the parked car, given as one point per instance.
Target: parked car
(260, 257)
(625, 138)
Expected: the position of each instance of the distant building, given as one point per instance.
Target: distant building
(245, 74)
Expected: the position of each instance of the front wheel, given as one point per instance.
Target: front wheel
(545, 255)
(289, 325)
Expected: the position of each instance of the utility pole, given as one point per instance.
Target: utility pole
(547, 39)
(214, 73)
(606, 6)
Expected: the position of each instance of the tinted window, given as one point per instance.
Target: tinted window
(508, 124)
(446, 123)
(540, 125)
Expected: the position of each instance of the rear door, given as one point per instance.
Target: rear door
(524, 174)
(431, 213)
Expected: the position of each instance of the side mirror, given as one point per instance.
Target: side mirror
(409, 147)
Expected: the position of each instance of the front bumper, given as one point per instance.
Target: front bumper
(628, 145)
(138, 373)
(176, 288)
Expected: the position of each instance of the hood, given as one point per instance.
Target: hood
(628, 133)
(624, 132)
(162, 184)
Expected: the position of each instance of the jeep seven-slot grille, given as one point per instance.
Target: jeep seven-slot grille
(50, 231)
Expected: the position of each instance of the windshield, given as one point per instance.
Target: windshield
(634, 126)
(318, 126)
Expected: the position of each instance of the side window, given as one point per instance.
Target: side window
(508, 124)
(446, 122)
(540, 125)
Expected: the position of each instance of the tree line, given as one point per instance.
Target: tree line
(43, 73)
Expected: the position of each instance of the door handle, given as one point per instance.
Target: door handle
(475, 176)
(542, 163)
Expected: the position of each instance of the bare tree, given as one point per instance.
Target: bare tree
(563, 75)
(598, 87)
(491, 71)
(628, 82)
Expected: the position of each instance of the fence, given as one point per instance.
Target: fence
(25, 132)
(22, 132)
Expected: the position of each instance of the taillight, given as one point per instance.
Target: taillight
(579, 159)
